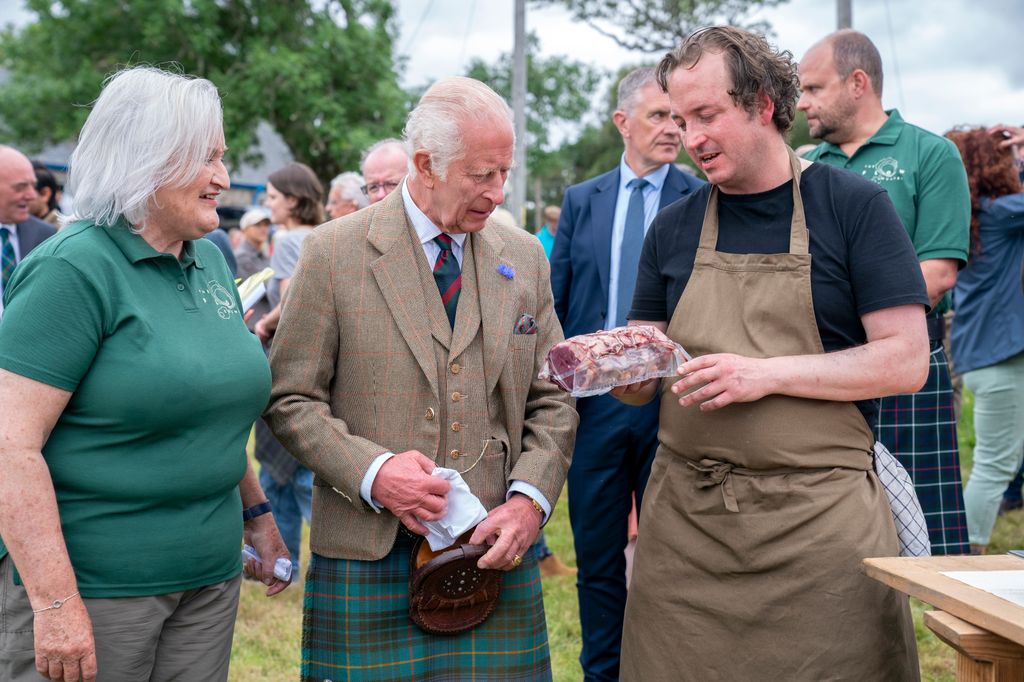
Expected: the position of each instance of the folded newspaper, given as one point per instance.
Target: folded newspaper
(254, 288)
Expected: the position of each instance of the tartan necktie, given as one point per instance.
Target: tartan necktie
(448, 276)
(7, 260)
(629, 253)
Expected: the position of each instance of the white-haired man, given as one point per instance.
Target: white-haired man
(384, 165)
(593, 270)
(20, 232)
(346, 195)
(412, 340)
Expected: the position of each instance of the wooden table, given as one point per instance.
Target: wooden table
(986, 631)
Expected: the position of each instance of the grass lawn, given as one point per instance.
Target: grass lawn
(266, 646)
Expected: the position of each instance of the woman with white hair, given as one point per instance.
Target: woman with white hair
(129, 384)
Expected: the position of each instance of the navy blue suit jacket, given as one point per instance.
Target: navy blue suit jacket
(581, 256)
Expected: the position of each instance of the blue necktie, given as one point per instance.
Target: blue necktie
(629, 254)
(7, 260)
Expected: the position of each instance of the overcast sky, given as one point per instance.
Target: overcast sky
(946, 61)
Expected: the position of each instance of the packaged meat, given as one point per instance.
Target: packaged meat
(592, 364)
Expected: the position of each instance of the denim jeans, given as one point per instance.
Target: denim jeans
(999, 431)
(292, 502)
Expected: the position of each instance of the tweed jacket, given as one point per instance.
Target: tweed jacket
(356, 369)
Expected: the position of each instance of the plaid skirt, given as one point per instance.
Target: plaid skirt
(920, 430)
(356, 626)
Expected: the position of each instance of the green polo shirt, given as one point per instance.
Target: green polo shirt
(166, 382)
(925, 179)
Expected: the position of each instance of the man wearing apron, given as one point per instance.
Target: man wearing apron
(797, 292)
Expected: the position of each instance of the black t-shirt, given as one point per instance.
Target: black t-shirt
(861, 257)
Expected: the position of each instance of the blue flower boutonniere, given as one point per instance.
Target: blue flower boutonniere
(506, 271)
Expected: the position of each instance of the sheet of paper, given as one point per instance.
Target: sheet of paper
(1006, 584)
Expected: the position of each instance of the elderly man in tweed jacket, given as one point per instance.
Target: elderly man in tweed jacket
(412, 338)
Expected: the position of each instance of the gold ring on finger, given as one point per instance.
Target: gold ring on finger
(516, 560)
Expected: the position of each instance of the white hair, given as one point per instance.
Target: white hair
(351, 184)
(148, 129)
(439, 120)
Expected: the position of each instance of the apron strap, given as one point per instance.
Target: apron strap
(798, 240)
(716, 473)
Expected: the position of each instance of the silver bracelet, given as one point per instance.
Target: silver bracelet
(57, 603)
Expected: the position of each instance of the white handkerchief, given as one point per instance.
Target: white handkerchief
(464, 512)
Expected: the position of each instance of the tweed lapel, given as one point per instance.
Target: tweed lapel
(497, 294)
(397, 275)
(602, 215)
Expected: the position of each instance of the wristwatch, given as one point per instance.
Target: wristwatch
(256, 510)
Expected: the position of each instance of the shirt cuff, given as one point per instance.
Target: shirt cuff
(532, 492)
(371, 474)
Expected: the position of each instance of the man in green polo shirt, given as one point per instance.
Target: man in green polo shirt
(841, 80)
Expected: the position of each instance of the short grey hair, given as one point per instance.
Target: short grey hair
(853, 50)
(351, 184)
(438, 122)
(148, 129)
(630, 86)
(386, 142)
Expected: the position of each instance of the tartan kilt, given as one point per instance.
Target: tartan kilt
(919, 429)
(356, 626)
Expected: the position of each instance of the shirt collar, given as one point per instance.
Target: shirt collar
(888, 134)
(136, 249)
(12, 228)
(426, 230)
(656, 178)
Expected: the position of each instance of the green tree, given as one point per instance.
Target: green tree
(559, 93)
(322, 73)
(659, 25)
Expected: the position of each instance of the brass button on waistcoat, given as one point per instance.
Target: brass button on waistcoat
(456, 368)
(455, 454)
(429, 414)
(456, 426)
(456, 397)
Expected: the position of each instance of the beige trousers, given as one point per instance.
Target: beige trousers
(178, 636)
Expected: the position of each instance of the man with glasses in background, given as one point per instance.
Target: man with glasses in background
(384, 165)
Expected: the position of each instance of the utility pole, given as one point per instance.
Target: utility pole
(844, 14)
(518, 203)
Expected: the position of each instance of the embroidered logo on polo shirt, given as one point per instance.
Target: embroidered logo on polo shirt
(884, 170)
(222, 298)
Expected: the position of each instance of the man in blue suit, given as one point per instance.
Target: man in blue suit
(593, 271)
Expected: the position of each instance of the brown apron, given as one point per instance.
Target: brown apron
(757, 515)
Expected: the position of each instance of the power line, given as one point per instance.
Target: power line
(416, 32)
(465, 34)
(895, 58)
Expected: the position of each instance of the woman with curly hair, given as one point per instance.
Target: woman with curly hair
(988, 331)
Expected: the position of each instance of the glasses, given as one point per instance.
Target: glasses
(375, 187)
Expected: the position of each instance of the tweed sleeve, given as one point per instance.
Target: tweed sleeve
(303, 361)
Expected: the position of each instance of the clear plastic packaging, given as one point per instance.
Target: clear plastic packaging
(592, 364)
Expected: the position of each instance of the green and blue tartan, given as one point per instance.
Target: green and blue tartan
(7, 259)
(919, 429)
(356, 626)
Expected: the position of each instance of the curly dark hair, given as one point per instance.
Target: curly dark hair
(298, 180)
(991, 172)
(754, 66)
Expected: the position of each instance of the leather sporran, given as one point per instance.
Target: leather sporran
(448, 593)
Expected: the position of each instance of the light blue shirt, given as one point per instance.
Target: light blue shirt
(426, 230)
(652, 197)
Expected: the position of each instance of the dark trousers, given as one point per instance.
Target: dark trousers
(615, 445)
